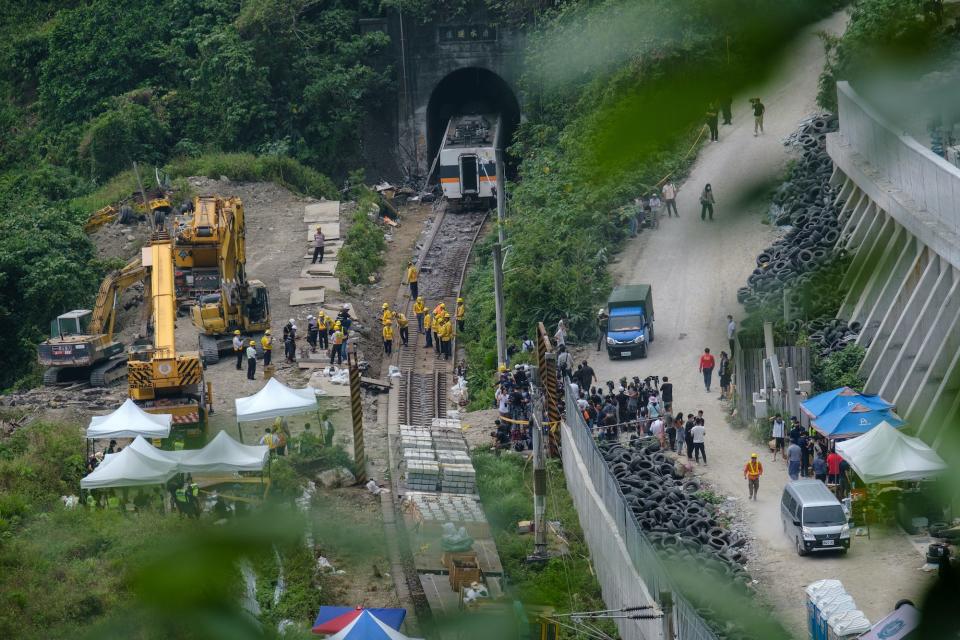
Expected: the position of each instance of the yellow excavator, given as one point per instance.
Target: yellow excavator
(81, 344)
(239, 304)
(160, 379)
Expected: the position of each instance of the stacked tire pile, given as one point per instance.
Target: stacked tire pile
(805, 261)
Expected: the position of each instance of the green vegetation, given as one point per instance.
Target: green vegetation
(361, 254)
(883, 39)
(839, 369)
(606, 124)
(566, 583)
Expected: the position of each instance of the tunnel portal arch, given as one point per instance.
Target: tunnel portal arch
(469, 90)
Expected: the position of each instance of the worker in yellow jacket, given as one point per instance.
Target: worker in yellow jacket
(267, 343)
(387, 313)
(323, 329)
(336, 343)
(428, 328)
(438, 318)
(461, 311)
(418, 310)
(388, 336)
(402, 326)
(411, 278)
(446, 335)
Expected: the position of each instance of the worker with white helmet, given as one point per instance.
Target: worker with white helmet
(602, 319)
(290, 340)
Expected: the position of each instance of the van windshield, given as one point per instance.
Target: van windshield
(625, 323)
(824, 516)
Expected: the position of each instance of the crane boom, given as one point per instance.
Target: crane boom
(163, 299)
(105, 308)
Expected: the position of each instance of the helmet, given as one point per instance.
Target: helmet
(419, 298)
(443, 305)
(336, 325)
(753, 455)
(459, 299)
(253, 343)
(410, 262)
(292, 320)
(386, 305)
(267, 332)
(236, 332)
(600, 311)
(346, 306)
(502, 368)
(310, 318)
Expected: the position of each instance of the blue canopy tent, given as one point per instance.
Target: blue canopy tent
(840, 398)
(331, 620)
(847, 422)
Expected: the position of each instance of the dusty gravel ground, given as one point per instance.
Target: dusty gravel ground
(695, 268)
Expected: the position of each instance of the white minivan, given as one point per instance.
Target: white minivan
(813, 518)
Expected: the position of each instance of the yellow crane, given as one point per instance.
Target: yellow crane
(161, 379)
(239, 304)
(81, 343)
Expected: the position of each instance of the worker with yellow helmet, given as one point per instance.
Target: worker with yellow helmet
(446, 336)
(438, 318)
(252, 360)
(428, 328)
(323, 330)
(336, 343)
(411, 277)
(751, 473)
(238, 348)
(402, 327)
(267, 343)
(388, 336)
(461, 312)
(418, 310)
(387, 313)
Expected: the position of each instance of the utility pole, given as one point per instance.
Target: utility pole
(498, 300)
(501, 197)
(539, 488)
(498, 260)
(356, 412)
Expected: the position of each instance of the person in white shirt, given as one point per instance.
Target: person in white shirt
(656, 429)
(251, 361)
(669, 192)
(731, 332)
(238, 348)
(699, 432)
(779, 435)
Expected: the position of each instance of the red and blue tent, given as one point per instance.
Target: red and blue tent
(332, 620)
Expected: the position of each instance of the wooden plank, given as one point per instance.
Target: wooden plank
(325, 211)
(374, 382)
(321, 269)
(300, 297)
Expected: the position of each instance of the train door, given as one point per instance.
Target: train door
(469, 175)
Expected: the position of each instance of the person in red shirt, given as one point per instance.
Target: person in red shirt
(833, 467)
(706, 368)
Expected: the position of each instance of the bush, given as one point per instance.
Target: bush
(839, 369)
(246, 167)
(361, 255)
(117, 137)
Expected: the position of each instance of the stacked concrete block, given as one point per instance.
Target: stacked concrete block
(446, 423)
(422, 475)
(449, 440)
(452, 456)
(458, 478)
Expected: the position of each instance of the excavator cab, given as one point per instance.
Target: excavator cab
(72, 323)
(258, 308)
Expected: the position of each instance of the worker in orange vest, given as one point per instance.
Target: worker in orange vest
(752, 472)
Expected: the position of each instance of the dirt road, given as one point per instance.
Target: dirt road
(695, 268)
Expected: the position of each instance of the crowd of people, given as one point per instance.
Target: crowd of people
(808, 454)
(512, 396)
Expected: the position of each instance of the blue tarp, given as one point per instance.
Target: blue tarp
(847, 422)
(841, 398)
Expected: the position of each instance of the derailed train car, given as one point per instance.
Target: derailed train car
(468, 168)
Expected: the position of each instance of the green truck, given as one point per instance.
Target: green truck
(629, 321)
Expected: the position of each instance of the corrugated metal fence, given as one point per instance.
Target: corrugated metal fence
(688, 623)
(748, 376)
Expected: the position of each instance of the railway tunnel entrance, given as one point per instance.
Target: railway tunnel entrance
(469, 90)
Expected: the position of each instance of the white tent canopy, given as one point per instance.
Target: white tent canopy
(883, 454)
(275, 399)
(129, 468)
(223, 453)
(129, 421)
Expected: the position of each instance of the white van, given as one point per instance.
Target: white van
(813, 518)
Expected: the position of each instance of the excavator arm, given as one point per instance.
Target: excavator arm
(104, 314)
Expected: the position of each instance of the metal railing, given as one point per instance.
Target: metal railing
(931, 182)
(643, 555)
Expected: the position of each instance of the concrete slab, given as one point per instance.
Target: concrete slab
(428, 557)
(331, 231)
(319, 282)
(300, 297)
(326, 211)
(326, 268)
(331, 390)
